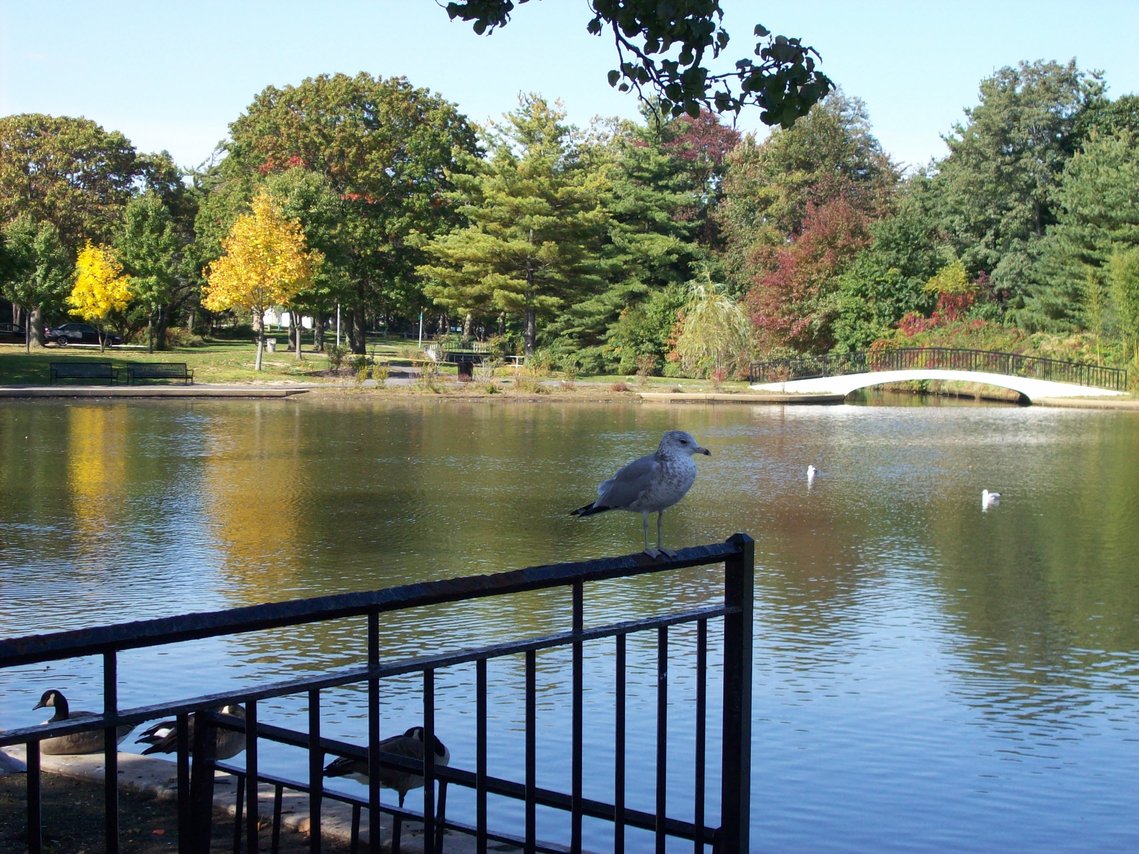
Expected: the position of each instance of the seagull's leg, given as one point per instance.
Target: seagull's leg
(645, 526)
(660, 547)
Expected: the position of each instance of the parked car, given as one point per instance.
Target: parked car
(77, 333)
(11, 332)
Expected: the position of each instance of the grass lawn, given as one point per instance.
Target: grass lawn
(231, 361)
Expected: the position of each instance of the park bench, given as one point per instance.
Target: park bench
(160, 371)
(81, 371)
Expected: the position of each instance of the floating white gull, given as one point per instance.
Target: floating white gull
(650, 484)
(989, 500)
(811, 473)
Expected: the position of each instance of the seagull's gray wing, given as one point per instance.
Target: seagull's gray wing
(628, 484)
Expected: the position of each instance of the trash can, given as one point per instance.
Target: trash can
(271, 344)
(466, 369)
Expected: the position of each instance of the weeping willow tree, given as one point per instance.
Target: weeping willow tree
(1123, 267)
(715, 335)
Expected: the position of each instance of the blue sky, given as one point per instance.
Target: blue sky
(172, 76)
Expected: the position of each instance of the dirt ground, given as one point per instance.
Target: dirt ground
(73, 821)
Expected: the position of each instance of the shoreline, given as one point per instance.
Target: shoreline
(585, 393)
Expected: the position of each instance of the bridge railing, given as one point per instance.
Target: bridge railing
(940, 358)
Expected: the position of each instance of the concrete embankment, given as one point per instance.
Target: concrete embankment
(158, 777)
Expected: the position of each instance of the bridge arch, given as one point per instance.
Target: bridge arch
(1029, 388)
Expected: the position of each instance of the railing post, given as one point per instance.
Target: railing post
(202, 783)
(739, 579)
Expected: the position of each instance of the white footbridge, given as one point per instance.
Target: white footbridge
(1033, 389)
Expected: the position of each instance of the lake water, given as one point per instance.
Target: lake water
(928, 676)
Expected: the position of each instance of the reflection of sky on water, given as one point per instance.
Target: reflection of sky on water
(926, 678)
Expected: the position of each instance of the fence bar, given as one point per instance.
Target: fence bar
(204, 748)
(481, 711)
(196, 780)
(111, 752)
(662, 738)
(429, 762)
(701, 727)
(739, 578)
(374, 732)
(185, 802)
(251, 764)
(35, 800)
(619, 748)
(531, 750)
(278, 802)
(315, 772)
(578, 716)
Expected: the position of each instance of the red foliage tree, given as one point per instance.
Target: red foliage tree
(794, 304)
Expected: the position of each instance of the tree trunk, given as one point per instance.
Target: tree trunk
(318, 332)
(356, 336)
(259, 329)
(531, 333)
(35, 328)
(298, 328)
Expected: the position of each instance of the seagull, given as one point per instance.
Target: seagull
(989, 500)
(88, 741)
(163, 737)
(410, 745)
(650, 484)
(811, 473)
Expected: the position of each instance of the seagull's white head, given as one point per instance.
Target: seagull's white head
(679, 442)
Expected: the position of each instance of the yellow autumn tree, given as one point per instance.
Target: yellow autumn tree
(100, 287)
(265, 263)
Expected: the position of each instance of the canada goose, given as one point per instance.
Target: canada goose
(650, 484)
(409, 745)
(163, 737)
(89, 741)
(989, 500)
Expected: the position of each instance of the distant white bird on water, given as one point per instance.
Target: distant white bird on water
(650, 484)
(989, 500)
(812, 472)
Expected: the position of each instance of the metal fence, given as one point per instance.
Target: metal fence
(943, 358)
(723, 827)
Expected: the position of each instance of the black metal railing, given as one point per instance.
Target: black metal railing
(941, 358)
(725, 830)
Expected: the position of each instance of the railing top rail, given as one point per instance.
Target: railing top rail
(164, 630)
(809, 366)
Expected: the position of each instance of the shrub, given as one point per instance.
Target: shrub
(336, 357)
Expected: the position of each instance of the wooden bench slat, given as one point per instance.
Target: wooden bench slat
(81, 371)
(160, 371)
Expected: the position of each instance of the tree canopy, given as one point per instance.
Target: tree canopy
(266, 263)
(101, 287)
(385, 147)
(532, 211)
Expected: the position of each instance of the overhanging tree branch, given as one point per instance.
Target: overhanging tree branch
(661, 50)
